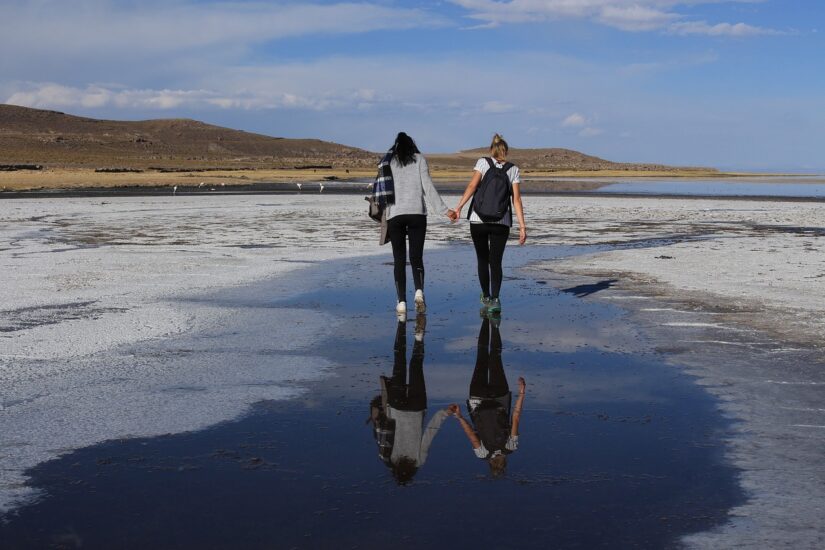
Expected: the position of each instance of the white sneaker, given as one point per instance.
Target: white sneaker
(420, 327)
(401, 307)
(420, 306)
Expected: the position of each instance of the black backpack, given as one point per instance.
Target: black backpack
(492, 425)
(491, 201)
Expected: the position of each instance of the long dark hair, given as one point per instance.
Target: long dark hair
(405, 149)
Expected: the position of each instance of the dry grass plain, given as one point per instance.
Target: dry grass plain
(83, 178)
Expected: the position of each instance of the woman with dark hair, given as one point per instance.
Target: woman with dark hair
(491, 231)
(402, 188)
(398, 414)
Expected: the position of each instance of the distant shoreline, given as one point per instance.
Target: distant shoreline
(355, 189)
(85, 180)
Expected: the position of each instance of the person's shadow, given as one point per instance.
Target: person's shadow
(493, 433)
(397, 415)
(581, 291)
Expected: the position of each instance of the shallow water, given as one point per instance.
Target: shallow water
(616, 448)
(796, 187)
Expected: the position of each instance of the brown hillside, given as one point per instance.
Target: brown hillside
(57, 139)
(550, 160)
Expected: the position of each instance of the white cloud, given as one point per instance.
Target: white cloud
(574, 121)
(634, 17)
(51, 95)
(720, 29)
(584, 124)
(639, 15)
(155, 26)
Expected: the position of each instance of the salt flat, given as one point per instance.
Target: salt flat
(87, 280)
(734, 288)
(734, 291)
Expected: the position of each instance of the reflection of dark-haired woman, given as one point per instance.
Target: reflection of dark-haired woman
(493, 435)
(397, 415)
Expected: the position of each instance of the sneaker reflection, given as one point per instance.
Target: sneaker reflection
(398, 414)
(493, 433)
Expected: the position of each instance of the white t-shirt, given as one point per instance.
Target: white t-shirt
(511, 445)
(482, 166)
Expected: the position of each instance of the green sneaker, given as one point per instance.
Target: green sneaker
(485, 304)
(494, 308)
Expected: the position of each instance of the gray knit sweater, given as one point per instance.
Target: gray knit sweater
(413, 186)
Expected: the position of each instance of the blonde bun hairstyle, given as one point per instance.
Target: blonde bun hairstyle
(499, 148)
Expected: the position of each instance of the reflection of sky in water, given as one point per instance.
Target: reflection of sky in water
(610, 436)
(717, 188)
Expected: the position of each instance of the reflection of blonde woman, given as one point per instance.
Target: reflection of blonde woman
(490, 235)
(493, 434)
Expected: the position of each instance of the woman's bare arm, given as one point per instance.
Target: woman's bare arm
(468, 430)
(522, 390)
(522, 228)
(471, 188)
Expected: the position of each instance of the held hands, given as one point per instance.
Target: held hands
(454, 410)
(457, 214)
(453, 215)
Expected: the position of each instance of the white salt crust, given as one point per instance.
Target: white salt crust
(127, 272)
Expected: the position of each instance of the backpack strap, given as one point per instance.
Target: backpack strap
(491, 165)
(505, 169)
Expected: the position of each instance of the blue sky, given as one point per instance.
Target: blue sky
(729, 83)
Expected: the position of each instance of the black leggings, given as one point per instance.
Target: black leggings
(413, 226)
(405, 394)
(490, 240)
(489, 380)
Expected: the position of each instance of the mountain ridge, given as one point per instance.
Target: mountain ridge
(57, 139)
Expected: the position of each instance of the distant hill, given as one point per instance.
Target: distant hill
(54, 138)
(550, 159)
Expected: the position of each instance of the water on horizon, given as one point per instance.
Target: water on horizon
(768, 186)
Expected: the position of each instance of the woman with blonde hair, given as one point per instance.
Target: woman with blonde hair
(494, 190)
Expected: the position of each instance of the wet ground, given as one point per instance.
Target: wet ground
(616, 448)
(768, 187)
(790, 187)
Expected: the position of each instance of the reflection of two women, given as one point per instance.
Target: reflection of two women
(493, 433)
(398, 414)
